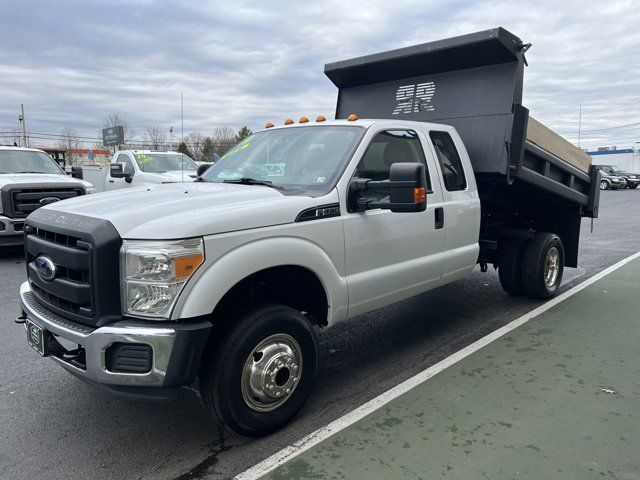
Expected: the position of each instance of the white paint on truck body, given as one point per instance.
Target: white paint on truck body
(363, 260)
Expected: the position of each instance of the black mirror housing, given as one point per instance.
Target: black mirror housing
(407, 185)
(201, 169)
(116, 170)
(76, 172)
(408, 199)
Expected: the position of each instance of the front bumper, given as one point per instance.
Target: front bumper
(11, 231)
(176, 348)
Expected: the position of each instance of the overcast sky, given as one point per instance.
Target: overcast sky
(73, 63)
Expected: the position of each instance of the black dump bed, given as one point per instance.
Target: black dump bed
(474, 83)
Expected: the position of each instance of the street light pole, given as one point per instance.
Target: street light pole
(171, 136)
(22, 124)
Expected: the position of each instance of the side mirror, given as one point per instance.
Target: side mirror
(76, 172)
(407, 186)
(116, 170)
(202, 168)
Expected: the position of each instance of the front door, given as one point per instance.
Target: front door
(392, 256)
(118, 183)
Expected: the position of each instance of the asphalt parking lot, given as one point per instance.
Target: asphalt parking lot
(54, 426)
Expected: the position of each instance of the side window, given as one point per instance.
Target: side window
(385, 149)
(450, 162)
(126, 161)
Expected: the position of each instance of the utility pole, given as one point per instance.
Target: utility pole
(182, 116)
(579, 125)
(22, 124)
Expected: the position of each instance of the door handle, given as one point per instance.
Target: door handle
(439, 217)
(110, 181)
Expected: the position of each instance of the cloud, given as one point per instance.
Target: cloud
(73, 63)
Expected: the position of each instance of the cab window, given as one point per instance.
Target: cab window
(385, 149)
(450, 163)
(126, 161)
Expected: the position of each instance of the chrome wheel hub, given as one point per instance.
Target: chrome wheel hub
(271, 372)
(551, 267)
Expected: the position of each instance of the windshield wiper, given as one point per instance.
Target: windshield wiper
(254, 181)
(28, 171)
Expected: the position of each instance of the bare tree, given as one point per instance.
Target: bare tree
(69, 141)
(223, 138)
(195, 142)
(154, 139)
(113, 120)
(11, 136)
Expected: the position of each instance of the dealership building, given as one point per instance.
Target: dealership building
(627, 159)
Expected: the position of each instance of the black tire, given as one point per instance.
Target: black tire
(604, 185)
(536, 255)
(223, 367)
(510, 265)
(634, 186)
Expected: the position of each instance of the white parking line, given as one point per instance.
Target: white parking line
(371, 406)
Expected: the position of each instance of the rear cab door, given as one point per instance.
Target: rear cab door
(391, 256)
(461, 200)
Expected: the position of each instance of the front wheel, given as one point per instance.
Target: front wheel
(543, 266)
(261, 373)
(604, 185)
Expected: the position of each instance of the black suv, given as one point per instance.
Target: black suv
(633, 179)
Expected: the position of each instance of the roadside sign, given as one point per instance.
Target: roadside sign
(113, 136)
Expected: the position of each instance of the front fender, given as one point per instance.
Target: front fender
(206, 289)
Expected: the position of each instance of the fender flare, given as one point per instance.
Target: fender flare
(203, 292)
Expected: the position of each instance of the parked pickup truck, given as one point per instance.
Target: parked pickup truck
(29, 179)
(227, 279)
(632, 180)
(135, 168)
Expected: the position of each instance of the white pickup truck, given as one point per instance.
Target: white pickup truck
(29, 179)
(298, 227)
(135, 168)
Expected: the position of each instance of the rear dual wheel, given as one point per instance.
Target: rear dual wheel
(532, 267)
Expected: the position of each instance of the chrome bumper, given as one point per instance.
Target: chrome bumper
(11, 231)
(95, 342)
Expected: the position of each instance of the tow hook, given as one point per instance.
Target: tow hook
(20, 319)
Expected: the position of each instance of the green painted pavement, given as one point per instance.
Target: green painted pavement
(529, 405)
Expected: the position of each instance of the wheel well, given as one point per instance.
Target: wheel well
(291, 285)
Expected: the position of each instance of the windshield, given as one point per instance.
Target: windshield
(26, 161)
(164, 162)
(301, 159)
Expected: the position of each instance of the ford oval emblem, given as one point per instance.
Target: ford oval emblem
(45, 268)
(47, 200)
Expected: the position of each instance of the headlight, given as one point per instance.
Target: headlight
(90, 190)
(633, 177)
(155, 273)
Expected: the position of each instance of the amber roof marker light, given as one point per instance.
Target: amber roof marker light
(321, 118)
(303, 120)
(288, 121)
(269, 125)
(353, 117)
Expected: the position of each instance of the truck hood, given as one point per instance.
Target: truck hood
(13, 178)
(173, 211)
(171, 176)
